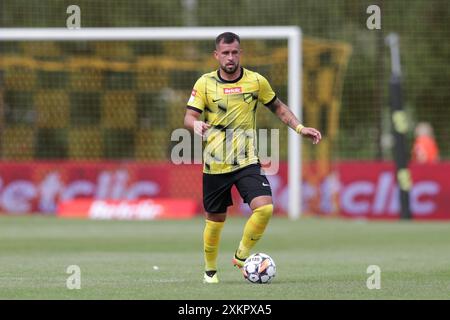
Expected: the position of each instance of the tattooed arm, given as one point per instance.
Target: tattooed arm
(283, 112)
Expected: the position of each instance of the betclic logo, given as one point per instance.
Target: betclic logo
(232, 90)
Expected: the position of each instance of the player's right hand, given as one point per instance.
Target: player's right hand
(201, 127)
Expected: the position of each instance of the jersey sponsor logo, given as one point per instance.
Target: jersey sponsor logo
(232, 90)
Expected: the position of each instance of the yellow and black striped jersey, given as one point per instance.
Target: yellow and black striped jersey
(230, 108)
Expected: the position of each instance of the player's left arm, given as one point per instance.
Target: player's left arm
(283, 112)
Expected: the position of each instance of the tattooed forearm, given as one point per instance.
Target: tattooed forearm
(284, 113)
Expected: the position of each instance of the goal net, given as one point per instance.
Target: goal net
(119, 93)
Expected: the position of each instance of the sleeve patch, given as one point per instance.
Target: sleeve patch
(193, 94)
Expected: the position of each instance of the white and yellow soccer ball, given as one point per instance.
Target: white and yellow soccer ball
(259, 268)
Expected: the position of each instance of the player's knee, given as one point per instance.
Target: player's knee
(216, 217)
(264, 211)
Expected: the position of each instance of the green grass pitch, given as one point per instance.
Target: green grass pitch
(316, 259)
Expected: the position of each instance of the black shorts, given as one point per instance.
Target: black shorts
(249, 181)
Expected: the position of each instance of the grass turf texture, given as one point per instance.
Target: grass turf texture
(316, 259)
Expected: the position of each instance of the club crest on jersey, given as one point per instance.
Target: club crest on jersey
(232, 90)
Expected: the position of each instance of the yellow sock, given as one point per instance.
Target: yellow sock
(254, 229)
(211, 239)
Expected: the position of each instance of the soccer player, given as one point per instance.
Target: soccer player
(228, 97)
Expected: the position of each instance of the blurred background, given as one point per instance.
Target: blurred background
(93, 119)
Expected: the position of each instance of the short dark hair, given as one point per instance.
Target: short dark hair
(227, 37)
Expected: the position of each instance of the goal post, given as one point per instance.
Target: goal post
(292, 34)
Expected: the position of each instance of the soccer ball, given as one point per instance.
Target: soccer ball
(259, 268)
